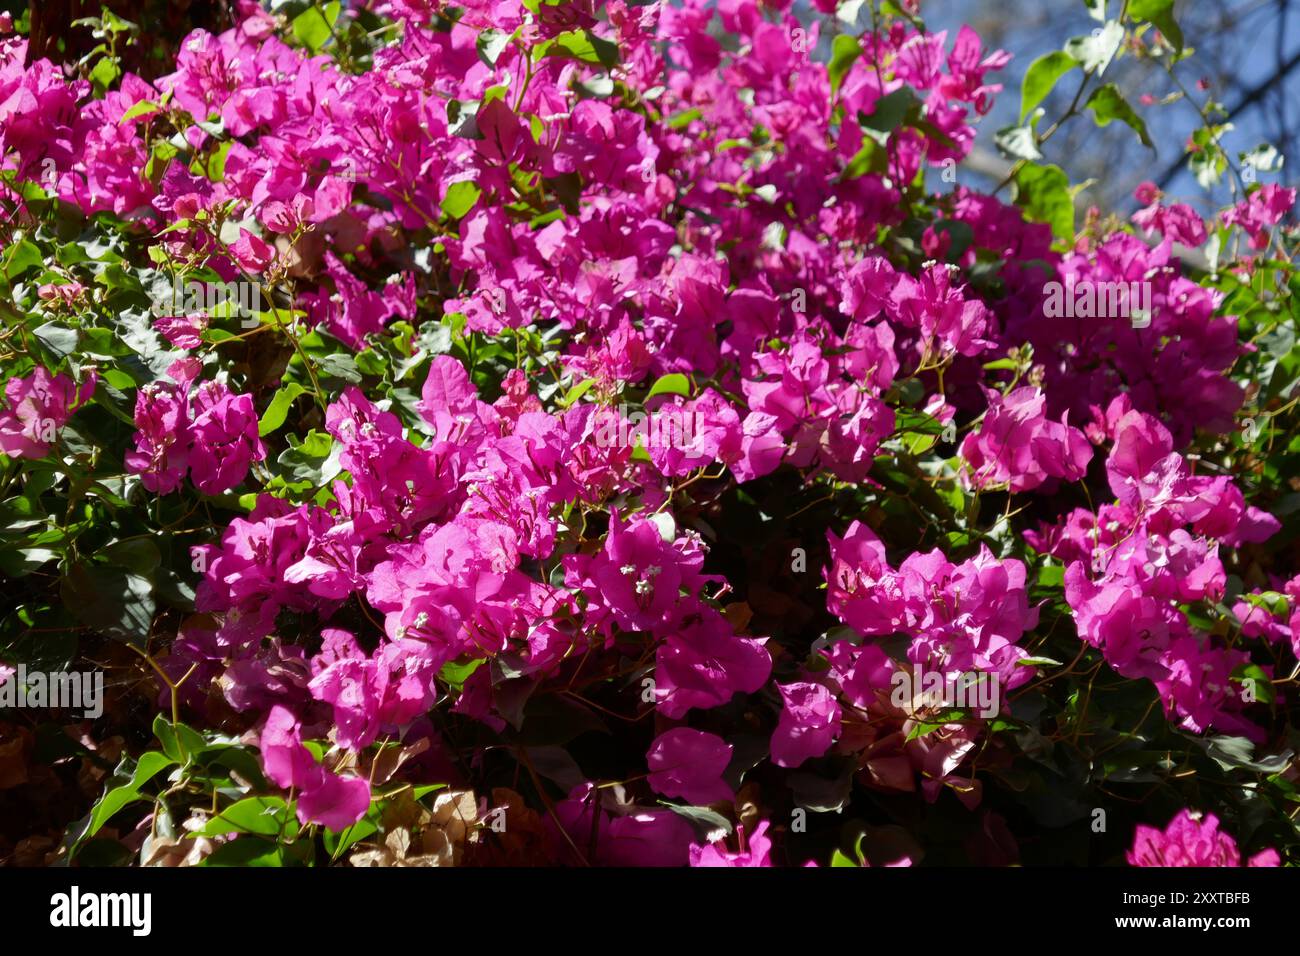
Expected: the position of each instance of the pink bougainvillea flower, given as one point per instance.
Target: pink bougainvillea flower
(389, 689)
(36, 407)
(638, 575)
(183, 331)
(948, 321)
(704, 664)
(226, 441)
(1018, 446)
(1178, 222)
(163, 437)
(756, 851)
(862, 589)
(1264, 207)
(1191, 839)
(354, 311)
(332, 800)
(209, 431)
(252, 253)
(64, 293)
(689, 764)
(809, 723)
(1146, 192)
(622, 835)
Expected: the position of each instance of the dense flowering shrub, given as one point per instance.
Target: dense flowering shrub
(560, 433)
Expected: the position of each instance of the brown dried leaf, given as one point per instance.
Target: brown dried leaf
(738, 615)
(403, 811)
(455, 811)
(390, 759)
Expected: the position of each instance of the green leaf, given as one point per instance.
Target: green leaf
(1018, 142)
(1043, 192)
(1107, 104)
(1096, 50)
(105, 73)
(315, 459)
(1237, 752)
(674, 383)
(180, 742)
(217, 336)
(709, 825)
(21, 256)
(278, 410)
(119, 603)
(337, 843)
(112, 801)
(340, 365)
(1041, 77)
(889, 112)
(264, 816)
(999, 724)
(142, 108)
(844, 53)
(938, 721)
(59, 339)
(683, 119)
(1038, 662)
(961, 235)
(247, 851)
(150, 764)
(1161, 13)
(1000, 364)
(213, 166)
(312, 27)
(160, 154)
(576, 392)
(20, 562)
(455, 675)
(491, 44)
(460, 199)
(1051, 576)
(871, 158)
(371, 362)
(139, 554)
(462, 119)
(1260, 685)
(585, 46)
(102, 342)
(1209, 163)
(840, 859)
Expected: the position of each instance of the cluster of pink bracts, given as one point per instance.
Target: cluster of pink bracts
(441, 530)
